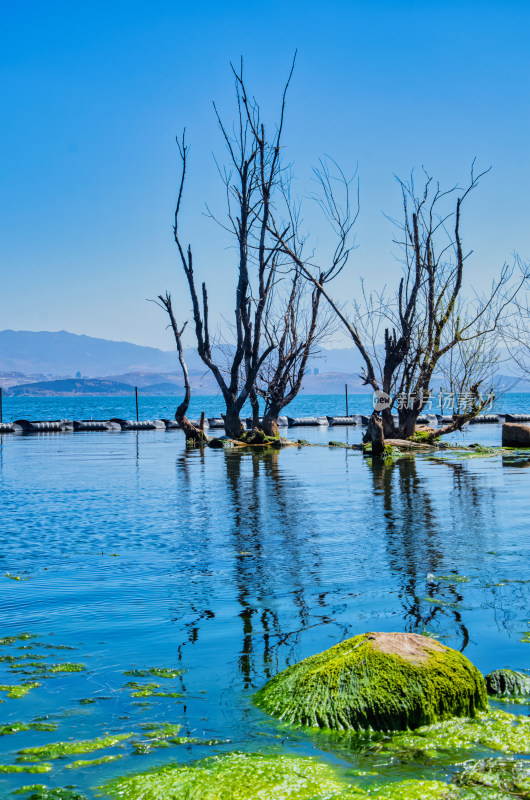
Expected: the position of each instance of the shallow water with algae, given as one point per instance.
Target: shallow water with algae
(147, 592)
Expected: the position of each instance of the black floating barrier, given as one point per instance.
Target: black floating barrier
(10, 427)
(141, 425)
(45, 426)
(95, 425)
(282, 422)
(306, 421)
(517, 417)
(352, 420)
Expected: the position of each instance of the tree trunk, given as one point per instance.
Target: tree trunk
(389, 428)
(374, 434)
(233, 425)
(407, 422)
(192, 434)
(253, 397)
(270, 423)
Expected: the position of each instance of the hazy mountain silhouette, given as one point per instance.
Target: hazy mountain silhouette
(65, 354)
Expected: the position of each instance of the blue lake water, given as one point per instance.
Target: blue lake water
(72, 407)
(231, 565)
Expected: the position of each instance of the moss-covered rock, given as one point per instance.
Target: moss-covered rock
(503, 682)
(382, 681)
(235, 776)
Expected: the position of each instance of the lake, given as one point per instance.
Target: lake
(305, 405)
(223, 568)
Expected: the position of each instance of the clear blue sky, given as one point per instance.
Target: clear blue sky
(93, 93)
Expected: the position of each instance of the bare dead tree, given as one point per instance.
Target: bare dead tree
(295, 335)
(516, 328)
(251, 180)
(193, 433)
(421, 319)
(297, 329)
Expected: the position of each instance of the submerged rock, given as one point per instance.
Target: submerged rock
(382, 681)
(508, 682)
(234, 776)
(223, 442)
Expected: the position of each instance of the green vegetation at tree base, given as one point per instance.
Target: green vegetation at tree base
(424, 437)
(376, 681)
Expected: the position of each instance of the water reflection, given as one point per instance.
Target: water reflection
(421, 540)
(270, 532)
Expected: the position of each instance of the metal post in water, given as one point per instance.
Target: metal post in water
(346, 386)
(136, 395)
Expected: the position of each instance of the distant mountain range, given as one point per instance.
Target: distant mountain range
(62, 363)
(63, 354)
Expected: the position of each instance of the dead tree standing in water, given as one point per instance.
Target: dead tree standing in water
(422, 321)
(294, 336)
(251, 181)
(193, 434)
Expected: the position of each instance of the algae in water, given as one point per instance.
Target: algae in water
(235, 776)
(64, 749)
(18, 690)
(40, 792)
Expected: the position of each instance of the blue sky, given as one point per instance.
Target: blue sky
(93, 94)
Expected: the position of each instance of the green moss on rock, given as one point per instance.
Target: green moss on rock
(379, 681)
(235, 776)
(504, 682)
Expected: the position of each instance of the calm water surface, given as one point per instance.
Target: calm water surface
(232, 565)
(305, 405)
